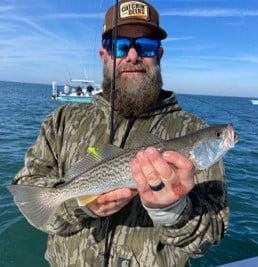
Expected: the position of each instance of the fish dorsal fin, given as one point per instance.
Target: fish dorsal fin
(146, 139)
(93, 158)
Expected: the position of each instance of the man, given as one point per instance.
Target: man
(175, 212)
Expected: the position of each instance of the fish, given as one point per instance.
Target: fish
(107, 168)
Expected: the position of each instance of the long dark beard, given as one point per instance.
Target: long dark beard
(133, 96)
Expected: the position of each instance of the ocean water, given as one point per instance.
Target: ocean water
(24, 106)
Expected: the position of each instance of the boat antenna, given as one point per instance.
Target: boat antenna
(113, 82)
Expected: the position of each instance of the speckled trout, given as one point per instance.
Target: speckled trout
(108, 168)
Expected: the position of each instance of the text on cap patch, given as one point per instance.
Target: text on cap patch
(134, 9)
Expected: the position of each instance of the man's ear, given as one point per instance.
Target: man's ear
(102, 53)
(160, 53)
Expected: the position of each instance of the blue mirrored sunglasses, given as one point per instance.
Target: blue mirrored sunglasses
(145, 47)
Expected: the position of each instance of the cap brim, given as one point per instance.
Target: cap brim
(133, 30)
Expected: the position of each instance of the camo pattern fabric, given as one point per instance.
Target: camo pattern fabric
(76, 239)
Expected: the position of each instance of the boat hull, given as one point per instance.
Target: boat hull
(80, 99)
(254, 101)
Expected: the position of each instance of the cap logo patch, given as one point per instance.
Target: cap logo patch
(134, 9)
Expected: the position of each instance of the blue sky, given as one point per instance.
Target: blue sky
(212, 45)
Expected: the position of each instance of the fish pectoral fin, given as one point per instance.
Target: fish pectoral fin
(85, 200)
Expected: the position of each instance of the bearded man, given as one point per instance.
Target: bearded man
(156, 224)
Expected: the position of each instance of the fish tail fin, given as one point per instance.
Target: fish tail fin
(35, 203)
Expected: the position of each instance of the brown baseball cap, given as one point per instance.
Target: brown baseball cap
(135, 19)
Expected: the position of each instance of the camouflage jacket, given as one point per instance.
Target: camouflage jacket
(129, 237)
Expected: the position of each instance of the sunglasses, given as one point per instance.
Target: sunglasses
(145, 47)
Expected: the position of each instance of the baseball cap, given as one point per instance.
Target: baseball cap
(135, 19)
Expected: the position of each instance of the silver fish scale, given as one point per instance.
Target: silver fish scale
(117, 171)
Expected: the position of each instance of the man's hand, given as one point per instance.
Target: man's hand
(170, 173)
(111, 202)
(162, 179)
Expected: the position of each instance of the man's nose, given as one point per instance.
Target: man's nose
(132, 55)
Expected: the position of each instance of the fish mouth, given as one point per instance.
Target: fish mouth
(232, 138)
(236, 138)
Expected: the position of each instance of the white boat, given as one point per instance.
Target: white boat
(78, 90)
(254, 101)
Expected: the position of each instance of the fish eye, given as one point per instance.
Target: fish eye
(218, 134)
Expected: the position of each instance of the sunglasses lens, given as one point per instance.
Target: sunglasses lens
(122, 47)
(145, 47)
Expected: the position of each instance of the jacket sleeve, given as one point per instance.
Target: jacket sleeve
(204, 220)
(44, 168)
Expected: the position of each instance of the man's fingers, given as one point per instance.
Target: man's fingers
(158, 162)
(142, 184)
(178, 160)
(121, 193)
